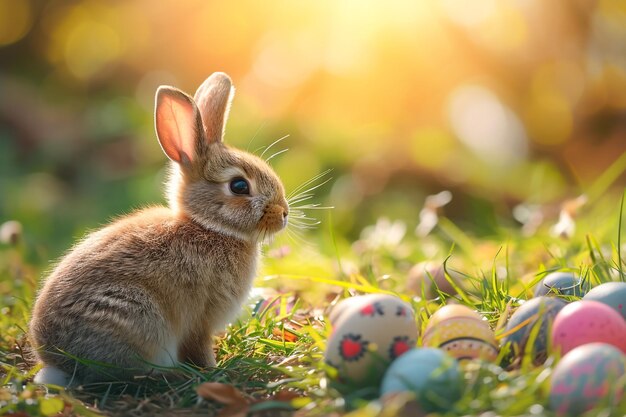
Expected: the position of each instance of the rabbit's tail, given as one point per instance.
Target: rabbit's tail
(53, 376)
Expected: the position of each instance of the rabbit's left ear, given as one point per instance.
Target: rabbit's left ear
(178, 125)
(213, 98)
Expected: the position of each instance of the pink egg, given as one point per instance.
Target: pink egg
(583, 322)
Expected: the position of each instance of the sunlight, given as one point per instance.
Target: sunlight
(15, 20)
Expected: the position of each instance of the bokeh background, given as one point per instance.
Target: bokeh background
(503, 103)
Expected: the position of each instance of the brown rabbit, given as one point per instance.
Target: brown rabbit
(150, 288)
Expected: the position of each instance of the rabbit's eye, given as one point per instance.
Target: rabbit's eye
(239, 186)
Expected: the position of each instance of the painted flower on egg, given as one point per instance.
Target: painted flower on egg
(351, 347)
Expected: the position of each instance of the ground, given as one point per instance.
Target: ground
(270, 361)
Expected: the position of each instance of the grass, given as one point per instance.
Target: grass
(274, 353)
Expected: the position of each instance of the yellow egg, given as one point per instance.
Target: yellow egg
(462, 333)
(368, 333)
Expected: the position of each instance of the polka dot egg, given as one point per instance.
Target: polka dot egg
(368, 334)
(462, 333)
(345, 305)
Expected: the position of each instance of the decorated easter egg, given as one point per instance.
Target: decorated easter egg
(429, 277)
(612, 294)
(274, 305)
(367, 336)
(461, 332)
(583, 322)
(560, 283)
(348, 303)
(532, 320)
(586, 377)
(430, 374)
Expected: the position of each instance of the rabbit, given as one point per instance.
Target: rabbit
(148, 290)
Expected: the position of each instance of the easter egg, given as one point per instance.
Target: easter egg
(429, 278)
(563, 283)
(539, 311)
(612, 294)
(586, 377)
(367, 336)
(430, 374)
(346, 304)
(583, 322)
(461, 332)
(275, 305)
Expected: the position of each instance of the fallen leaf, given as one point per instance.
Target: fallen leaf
(285, 396)
(234, 410)
(222, 393)
(286, 334)
(51, 406)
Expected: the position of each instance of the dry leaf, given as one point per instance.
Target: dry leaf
(234, 410)
(285, 333)
(222, 393)
(285, 396)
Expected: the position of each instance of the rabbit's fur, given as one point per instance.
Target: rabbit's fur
(152, 287)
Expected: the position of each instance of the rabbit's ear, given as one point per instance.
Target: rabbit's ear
(178, 125)
(213, 98)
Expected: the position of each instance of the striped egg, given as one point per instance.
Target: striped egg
(532, 321)
(462, 333)
(368, 333)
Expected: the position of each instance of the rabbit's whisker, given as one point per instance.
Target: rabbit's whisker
(297, 213)
(305, 221)
(261, 126)
(304, 225)
(296, 237)
(276, 154)
(307, 183)
(299, 199)
(306, 193)
(301, 216)
(272, 144)
(310, 207)
(300, 193)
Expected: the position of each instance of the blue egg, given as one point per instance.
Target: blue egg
(430, 374)
(539, 311)
(612, 294)
(560, 283)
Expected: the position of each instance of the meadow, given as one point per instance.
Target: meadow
(270, 361)
(487, 139)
